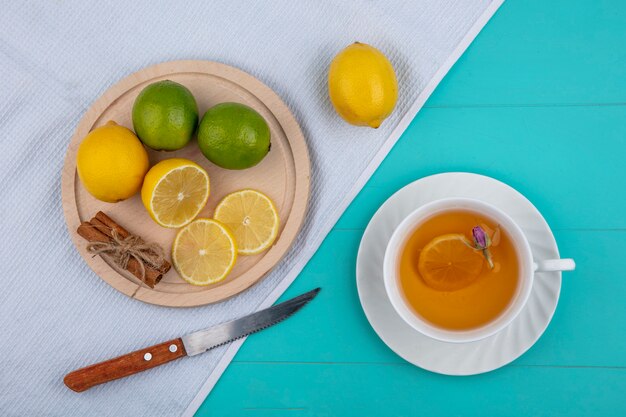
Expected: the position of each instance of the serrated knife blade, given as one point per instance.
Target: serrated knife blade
(188, 345)
(203, 340)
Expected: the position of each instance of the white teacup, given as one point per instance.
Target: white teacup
(528, 267)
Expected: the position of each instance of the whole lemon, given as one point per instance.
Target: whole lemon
(362, 85)
(165, 115)
(111, 163)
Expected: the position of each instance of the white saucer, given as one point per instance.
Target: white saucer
(456, 358)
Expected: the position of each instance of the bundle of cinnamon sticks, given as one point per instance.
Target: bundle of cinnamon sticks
(102, 229)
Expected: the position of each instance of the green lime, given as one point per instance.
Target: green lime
(165, 115)
(233, 136)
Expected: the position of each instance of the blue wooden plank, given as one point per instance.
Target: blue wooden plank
(584, 332)
(296, 389)
(561, 158)
(537, 52)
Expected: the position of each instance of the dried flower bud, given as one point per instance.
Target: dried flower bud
(481, 238)
(482, 241)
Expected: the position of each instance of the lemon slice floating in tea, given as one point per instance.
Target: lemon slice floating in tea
(447, 263)
(174, 191)
(253, 218)
(204, 252)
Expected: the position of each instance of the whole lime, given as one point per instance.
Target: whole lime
(165, 115)
(233, 136)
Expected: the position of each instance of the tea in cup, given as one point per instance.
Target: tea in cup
(460, 270)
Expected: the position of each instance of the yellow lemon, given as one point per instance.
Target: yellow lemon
(362, 85)
(111, 163)
(175, 191)
(253, 219)
(204, 252)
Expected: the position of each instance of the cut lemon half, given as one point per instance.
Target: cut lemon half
(204, 252)
(448, 263)
(174, 191)
(253, 219)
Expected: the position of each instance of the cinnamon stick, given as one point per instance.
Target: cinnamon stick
(100, 229)
(108, 222)
(106, 225)
(90, 233)
(151, 276)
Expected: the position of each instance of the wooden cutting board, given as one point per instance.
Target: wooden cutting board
(284, 175)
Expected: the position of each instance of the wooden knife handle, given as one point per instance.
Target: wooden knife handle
(125, 365)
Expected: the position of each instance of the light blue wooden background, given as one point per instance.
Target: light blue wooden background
(537, 101)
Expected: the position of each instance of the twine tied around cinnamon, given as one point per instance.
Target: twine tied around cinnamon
(121, 250)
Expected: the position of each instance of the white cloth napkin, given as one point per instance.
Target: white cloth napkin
(56, 58)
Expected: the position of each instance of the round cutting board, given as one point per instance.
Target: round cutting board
(283, 175)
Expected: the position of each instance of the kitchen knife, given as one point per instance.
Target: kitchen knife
(188, 345)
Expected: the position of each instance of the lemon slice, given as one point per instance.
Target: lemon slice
(253, 219)
(204, 252)
(448, 263)
(174, 191)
